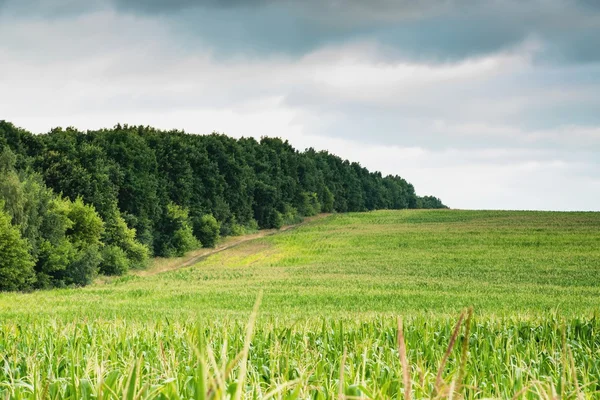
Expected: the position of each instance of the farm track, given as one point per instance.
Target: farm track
(165, 265)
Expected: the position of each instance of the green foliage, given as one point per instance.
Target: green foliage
(328, 201)
(16, 264)
(290, 216)
(207, 230)
(54, 258)
(114, 261)
(11, 189)
(64, 237)
(178, 237)
(137, 253)
(84, 267)
(265, 206)
(118, 234)
(275, 219)
(308, 204)
(84, 233)
(229, 227)
(86, 227)
(141, 170)
(238, 230)
(430, 202)
(183, 241)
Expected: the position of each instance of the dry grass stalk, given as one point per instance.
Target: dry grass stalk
(404, 360)
(438, 379)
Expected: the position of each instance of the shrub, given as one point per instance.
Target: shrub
(118, 234)
(84, 268)
(208, 231)
(327, 201)
(138, 255)
(178, 236)
(308, 204)
(275, 219)
(290, 216)
(114, 261)
(184, 241)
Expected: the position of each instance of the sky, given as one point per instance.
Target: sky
(487, 104)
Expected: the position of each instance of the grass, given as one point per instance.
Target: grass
(327, 324)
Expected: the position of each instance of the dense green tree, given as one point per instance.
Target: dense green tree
(177, 236)
(266, 200)
(84, 233)
(137, 177)
(430, 202)
(113, 261)
(118, 234)
(327, 200)
(87, 226)
(207, 230)
(308, 204)
(16, 263)
(64, 237)
(84, 268)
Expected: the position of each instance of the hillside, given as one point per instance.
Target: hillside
(393, 262)
(77, 204)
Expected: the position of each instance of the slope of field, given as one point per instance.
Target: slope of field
(398, 262)
(332, 289)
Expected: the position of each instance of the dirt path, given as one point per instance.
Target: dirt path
(169, 264)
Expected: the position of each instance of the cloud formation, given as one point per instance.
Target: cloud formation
(431, 30)
(487, 104)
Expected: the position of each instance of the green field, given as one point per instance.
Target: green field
(332, 292)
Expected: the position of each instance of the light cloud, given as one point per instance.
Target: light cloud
(505, 125)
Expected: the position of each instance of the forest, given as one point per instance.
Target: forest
(74, 204)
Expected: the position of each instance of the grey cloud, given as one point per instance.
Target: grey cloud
(589, 4)
(432, 31)
(316, 7)
(56, 9)
(173, 6)
(428, 30)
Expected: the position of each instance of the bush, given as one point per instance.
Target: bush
(138, 255)
(114, 261)
(118, 234)
(53, 259)
(252, 226)
(290, 216)
(327, 201)
(208, 230)
(275, 219)
(308, 204)
(84, 268)
(183, 241)
(178, 236)
(87, 228)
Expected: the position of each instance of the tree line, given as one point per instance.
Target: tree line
(74, 203)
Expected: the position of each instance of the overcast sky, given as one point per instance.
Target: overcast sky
(486, 104)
